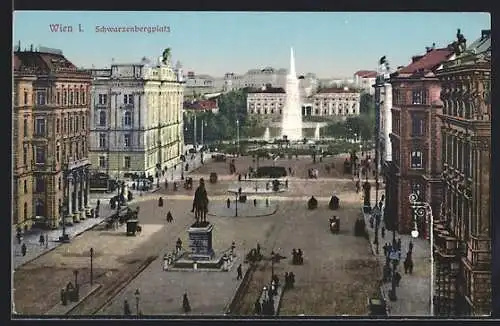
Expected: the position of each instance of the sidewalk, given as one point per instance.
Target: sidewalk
(31, 239)
(413, 293)
(176, 174)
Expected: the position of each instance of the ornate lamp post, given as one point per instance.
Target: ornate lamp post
(137, 295)
(423, 209)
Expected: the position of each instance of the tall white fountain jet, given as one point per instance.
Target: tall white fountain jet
(291, 124)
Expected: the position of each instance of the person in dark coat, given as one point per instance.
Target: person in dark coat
(185, 303)
(41, 240)
(126, 308)
(408, 264)
(239, 270)
(292, 279)
(397, 278)
(399, 244)
(23, 249)
(257, 307)
(382, 232)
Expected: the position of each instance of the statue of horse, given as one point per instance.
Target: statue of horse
(200, 203)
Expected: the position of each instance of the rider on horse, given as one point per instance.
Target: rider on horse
(200, 203)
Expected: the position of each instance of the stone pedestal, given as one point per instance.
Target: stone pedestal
(200, 242)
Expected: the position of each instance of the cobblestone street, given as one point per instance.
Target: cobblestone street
(336, 266)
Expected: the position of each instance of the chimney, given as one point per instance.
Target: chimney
(485, 33)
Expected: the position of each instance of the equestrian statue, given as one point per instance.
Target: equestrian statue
(200, 203)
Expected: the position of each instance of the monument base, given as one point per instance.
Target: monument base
(200, 241)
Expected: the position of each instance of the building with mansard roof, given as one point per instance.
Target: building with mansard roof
(136, 118)
(51, 102)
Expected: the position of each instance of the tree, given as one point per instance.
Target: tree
(367, 104)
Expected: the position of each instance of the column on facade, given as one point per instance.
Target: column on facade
(87, 188)
(81, 190)
(387, 121)
(76, 185)
(70, 195)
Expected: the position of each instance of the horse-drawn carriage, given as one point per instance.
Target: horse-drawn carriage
(312, 203)
(133, 227)
(334, 203)
(121, 217)
(334, 224)
(188, 183)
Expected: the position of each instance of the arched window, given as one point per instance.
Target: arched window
(102, 118)
(40, 208)
(128, 118)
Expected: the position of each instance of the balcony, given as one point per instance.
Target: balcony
(78, 163)
(101, 106)
(127, 106)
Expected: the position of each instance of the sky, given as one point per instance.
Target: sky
(329, 44)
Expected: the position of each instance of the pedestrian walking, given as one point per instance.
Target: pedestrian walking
(41, 240)
(185, 303)
(382, 232)
(126, 308)
(397, 278)
(240, 272)
(23, 249)
(46, 241)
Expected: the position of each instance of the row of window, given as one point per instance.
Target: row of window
(127, 140)
(66, 97)
(418, 97)
(417, 158)
(127, 99)
(458, 153)
(103, 162)
(40, 128)
(77, 150)
(316, 111)
(127, 118)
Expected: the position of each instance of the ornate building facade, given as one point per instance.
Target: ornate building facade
(136, 118)
(329, 102)
(463, 232)
(266, 101)
(415, 139)
(50, 138)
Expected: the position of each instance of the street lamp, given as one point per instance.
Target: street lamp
(194, 132)
(423, 209)
(203, 124)
(238, 136)
(91, 267)
(236, 205)
(137, 295)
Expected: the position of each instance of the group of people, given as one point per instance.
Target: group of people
(266, 305)
(396, 247)
(289, 280)
(297, 258)
(313, 173)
